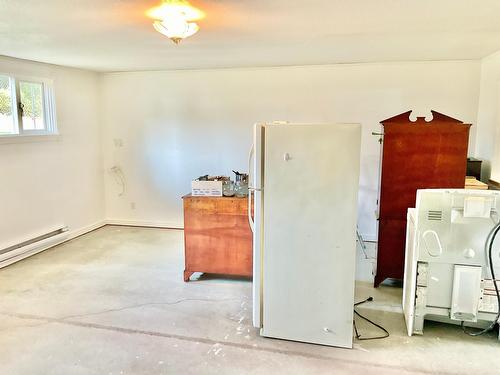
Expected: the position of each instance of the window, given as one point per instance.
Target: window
(7, 123)
(26, 106)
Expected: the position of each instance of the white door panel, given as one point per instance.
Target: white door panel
(255, 181)
(410, 275)
(310, 204)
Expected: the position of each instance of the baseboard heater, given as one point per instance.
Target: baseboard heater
(32, 246)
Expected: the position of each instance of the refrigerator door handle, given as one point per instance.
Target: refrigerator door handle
(250, 220)
(250, 190)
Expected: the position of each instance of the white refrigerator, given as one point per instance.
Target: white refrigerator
(304, 185)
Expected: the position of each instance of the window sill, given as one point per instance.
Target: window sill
(31, 138)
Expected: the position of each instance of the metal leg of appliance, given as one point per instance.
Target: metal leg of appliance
(421, 302)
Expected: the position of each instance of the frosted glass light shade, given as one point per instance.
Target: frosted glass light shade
(176, 29)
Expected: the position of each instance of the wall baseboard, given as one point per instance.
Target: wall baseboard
(144, 223)
(85, 230)
(31, 250)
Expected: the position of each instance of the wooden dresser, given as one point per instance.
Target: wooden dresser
(217, 236)
(415, 155)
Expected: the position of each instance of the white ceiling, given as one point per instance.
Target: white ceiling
(115, 35)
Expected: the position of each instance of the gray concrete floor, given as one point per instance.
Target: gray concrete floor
(113, 302)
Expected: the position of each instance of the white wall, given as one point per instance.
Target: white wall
(178, 125)
(43, 184)
(488, 119)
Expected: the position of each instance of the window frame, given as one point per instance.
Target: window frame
(48, 106)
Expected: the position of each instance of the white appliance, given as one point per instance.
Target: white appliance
(447, 272)
(304, 185)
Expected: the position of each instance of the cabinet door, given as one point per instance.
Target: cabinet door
(415, 156)
(420, 157)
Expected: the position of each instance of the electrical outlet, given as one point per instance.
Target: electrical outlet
(118, 142)
(132, 205)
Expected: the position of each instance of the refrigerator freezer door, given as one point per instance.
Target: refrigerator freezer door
(310, 208)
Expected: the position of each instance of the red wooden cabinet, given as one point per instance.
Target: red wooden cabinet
(415, 155)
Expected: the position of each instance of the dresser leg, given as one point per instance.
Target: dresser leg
(187, 275)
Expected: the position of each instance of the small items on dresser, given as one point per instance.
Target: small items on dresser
(218, 186)
(228, 188)
(241, 184)
(208, 186)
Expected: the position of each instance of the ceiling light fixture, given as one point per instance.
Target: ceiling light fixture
(174, 19)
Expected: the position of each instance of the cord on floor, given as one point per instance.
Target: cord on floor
(358, 336)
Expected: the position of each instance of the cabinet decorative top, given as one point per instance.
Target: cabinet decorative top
(437, 119)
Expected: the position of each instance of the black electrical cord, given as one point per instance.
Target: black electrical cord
(488, 246)
(358, 336)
